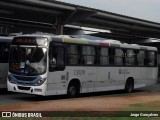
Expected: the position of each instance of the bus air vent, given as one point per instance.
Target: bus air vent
(24, 88)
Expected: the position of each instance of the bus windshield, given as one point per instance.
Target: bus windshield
(28, 60)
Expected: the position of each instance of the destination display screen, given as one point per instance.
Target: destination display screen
(30, 41)
(24, 41)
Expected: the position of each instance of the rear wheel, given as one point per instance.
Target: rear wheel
(129, 87)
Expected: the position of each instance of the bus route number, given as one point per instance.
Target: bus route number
(79, 72)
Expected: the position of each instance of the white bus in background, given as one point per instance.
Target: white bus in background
(52, 65)
(155, 43)
(4, 55)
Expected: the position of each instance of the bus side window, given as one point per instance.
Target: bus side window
(118, 57)
(151, 56)
(104, 56)
(141, 55)
(56, 57)
(73, 55)
(88, 55)
(130, 57)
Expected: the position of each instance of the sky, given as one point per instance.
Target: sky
(143, 9)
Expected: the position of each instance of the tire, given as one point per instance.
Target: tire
(73, 90)
(129, 87)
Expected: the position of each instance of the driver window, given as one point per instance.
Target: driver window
(56, 55)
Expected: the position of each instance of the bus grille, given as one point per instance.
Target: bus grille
(25, 78)
(24, 88)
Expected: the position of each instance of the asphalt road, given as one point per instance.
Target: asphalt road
(8, 98)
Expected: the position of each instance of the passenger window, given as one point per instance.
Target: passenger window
(72, 54)
(104, 57)
(130, 57)
(141, 55)
(88, 55)
(118, 57)
(151, 58)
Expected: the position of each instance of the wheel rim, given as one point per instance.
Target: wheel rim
(72, 91)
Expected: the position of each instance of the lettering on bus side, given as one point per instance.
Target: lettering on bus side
(79, 72)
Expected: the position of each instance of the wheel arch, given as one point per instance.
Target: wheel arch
(130, 79)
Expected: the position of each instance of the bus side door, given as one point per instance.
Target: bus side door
(56, 77)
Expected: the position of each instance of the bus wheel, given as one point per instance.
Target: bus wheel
(73, 90)
(129, 87)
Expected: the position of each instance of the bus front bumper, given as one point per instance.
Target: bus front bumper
(36, 90)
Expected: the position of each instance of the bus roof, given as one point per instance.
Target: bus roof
(106, 42)
(5, 39)
(84, 40)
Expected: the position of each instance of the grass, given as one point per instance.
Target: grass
(151, 106)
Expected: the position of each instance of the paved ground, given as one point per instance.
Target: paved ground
(103, 101)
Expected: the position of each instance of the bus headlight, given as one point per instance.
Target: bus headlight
(10, 79)
(40, 82)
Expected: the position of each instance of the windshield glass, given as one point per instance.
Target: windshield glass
(28, 60)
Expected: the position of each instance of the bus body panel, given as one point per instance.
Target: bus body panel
(3, 75)
(142, 76)
(109, 78)
(58, 80)
(87, 77)
(56, 83)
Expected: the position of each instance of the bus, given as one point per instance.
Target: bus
(4, 55)
(54, 65)
(155, 43)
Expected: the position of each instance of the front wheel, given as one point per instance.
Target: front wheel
(129, 87)
(73, 90)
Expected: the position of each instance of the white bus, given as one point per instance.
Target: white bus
(155, 43)
(4, 55)
(52, 65)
